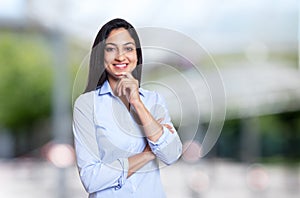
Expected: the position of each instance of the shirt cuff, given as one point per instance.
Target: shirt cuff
(124, 165)
(161, 142)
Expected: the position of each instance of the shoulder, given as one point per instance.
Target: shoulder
(85, 101)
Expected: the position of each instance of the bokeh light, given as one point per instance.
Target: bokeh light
(61, 155)
(191, 151)
(257, 178)
(199, 182)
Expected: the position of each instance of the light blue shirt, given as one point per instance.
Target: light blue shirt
(106, 134)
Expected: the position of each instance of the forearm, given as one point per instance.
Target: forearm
(152, 129)
(139, 160)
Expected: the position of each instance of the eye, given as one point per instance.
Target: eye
(129, 49)
(110, 49)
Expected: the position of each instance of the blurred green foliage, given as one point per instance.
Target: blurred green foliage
(25, 80)
(279, 138)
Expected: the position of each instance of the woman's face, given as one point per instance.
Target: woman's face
(119, 53)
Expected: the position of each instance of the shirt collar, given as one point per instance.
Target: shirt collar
(106, 89)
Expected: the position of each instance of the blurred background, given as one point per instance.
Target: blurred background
(251, 46)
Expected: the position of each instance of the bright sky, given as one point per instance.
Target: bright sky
(11, 8)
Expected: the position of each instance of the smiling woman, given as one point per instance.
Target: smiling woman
(119, 54)
(121, 130)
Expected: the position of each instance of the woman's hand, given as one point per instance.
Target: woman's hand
(139, 160)
(166, 125)
(149, 153)
(128, 86)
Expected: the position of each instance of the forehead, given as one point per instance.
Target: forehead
(119, 36)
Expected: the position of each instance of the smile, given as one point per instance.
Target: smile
(121, 66)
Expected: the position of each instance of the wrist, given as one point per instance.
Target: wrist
(137, 104)
(149, 155)
(156, 136)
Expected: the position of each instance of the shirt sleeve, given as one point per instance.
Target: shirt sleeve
(168, 147)
(94, 174)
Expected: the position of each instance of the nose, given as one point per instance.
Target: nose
(120, 56)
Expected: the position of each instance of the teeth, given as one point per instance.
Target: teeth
(121, 65)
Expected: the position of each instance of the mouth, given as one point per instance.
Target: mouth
(121, 66)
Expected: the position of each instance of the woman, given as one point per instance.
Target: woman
(121, 130)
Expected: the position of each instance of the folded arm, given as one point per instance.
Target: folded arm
(161, 134)
(94, 173)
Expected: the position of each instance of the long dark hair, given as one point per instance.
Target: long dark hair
(97, 73)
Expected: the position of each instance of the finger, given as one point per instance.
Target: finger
(120, 87)
(129, 86)
(169, 127)
(124, 87)
(171, 131)
(116, 91)
(128, 75)
(123, 84)
(160, 120)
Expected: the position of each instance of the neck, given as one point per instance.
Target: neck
(112, 83)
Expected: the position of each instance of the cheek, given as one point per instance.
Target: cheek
(133, 58)
(108, 57)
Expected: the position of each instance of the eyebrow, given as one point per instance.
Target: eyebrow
(129, 43)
